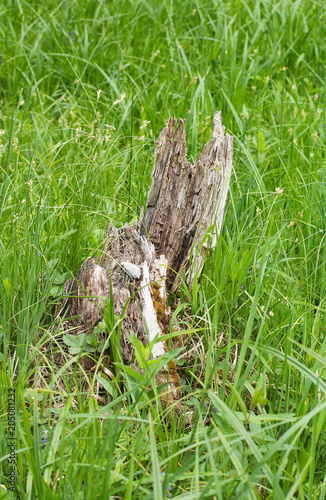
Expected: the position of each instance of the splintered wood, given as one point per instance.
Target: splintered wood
(186, 200)
(182, 220)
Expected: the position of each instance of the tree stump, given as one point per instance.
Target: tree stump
(143, 262)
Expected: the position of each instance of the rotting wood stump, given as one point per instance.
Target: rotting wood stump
(146, 261)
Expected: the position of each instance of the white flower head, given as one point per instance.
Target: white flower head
(123, 96)
(315, 136)
(144, 125)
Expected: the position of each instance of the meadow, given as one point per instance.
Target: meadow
(85, 89)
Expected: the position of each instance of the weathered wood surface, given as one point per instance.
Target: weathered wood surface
(146, 260)
(185, 200)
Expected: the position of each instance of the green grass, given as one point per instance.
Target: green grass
(256, 320)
